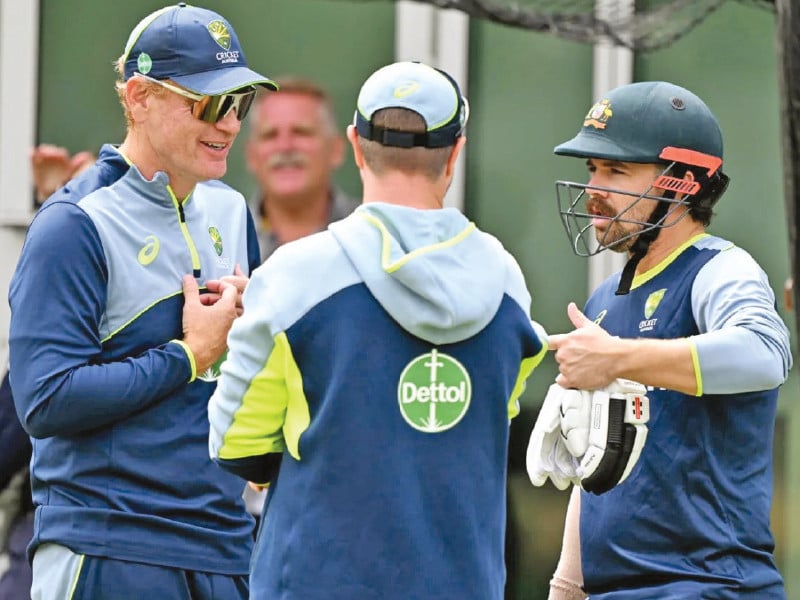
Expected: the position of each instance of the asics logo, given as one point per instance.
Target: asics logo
(149, 251)
(406, 89)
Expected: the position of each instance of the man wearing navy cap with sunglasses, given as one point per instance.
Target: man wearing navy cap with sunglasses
(128, 282)
(373, 374)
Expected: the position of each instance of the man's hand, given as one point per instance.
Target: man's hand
(52, 167)
(585, 356)
(214, 286)
(206, 326)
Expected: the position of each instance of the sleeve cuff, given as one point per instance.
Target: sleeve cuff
(698, 374)
(190, 356)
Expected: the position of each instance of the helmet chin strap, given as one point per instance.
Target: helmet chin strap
(642, 245)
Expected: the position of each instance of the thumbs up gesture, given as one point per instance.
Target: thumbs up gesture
(587, 357)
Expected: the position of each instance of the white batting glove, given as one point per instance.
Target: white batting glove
(547, 455)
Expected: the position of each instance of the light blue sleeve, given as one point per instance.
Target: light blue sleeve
(743, 345)
(246, 416)
(259, 407)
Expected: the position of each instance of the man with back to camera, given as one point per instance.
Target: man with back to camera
(292, 151)
(693, 317)
(374, 372)
(113, 345)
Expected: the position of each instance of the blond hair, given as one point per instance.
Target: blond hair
(120, 85)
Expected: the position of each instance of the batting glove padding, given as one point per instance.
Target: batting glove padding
(607, 430)
(590, 438)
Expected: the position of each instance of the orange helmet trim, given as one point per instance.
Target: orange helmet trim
(691, 157)
(680, 186)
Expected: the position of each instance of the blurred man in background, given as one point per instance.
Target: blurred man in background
(293, 150)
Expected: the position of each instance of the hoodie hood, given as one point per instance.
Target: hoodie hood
(433, 271)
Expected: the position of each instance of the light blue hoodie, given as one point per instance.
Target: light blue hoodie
(378, 363)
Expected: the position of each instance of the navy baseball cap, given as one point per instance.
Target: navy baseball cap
(194, 47)
(429, 92)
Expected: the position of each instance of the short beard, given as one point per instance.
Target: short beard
(618, 245)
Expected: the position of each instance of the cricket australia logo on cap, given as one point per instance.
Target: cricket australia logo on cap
(598, 115)
(434, 392)
(219, 31)
(222, 35)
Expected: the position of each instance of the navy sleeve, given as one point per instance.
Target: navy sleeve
(258, 469)
(253, 251)
(15, 447)
(57, 297)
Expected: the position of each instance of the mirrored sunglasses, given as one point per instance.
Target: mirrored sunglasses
(211, 109)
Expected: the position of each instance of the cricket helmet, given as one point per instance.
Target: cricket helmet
(652, 122)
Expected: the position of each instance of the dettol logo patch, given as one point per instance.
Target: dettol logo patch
(434, 392)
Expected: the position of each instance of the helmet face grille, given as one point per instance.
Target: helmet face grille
(622, 229)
